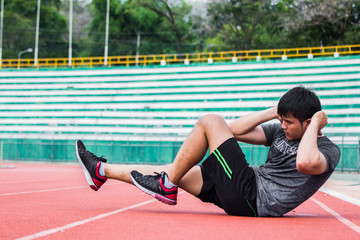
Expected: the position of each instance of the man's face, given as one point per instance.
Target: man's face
(293, 128)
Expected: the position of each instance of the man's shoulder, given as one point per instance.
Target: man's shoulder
(326, 142)
(271, 128)
(330, 150)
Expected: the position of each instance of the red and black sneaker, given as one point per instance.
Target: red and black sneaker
(90, 165)
(154, 186)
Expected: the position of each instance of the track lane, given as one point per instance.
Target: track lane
(31, 213)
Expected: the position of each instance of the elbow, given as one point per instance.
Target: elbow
(310, 166)
(302, 167)
(232, 128)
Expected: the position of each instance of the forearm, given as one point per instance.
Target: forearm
(247, 123)
(309, 159)
(308, 150)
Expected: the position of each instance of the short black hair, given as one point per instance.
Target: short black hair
(299, 101)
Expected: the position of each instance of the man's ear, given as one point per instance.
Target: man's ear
(307, 122)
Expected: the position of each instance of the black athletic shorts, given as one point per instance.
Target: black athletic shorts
(229, 182)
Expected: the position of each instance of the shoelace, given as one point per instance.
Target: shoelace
(154, 177)
(102, 159)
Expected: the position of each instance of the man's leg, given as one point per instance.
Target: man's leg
(121, 172)
(97, 171)
(191, 182)
(209, 132)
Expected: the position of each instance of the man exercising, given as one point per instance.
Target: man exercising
(299, 162)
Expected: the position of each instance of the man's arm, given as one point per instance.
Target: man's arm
(246, 129)
(309, 159)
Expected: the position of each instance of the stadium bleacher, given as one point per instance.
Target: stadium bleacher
(143, 114)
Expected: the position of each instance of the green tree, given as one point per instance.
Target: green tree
(125, 22)
(176, 15)
(165, 26)
(53, 35)
(329, 22)
(81, 19)
(18, 33)
(19, 28)
(238, 24)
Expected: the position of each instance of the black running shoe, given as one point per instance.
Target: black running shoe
(90, 165)
(154, 186)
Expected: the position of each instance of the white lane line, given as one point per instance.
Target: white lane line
(341, 196)
(348, 223)
(40, 191)
(81, 222)
(28, 181)
(48, 190)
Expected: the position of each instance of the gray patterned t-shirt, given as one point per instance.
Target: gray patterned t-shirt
(280, 187)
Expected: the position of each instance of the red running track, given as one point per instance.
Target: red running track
(54, 202)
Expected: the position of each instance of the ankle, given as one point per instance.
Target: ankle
(102, 169)
(168, 183)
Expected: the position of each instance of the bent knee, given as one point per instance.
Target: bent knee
(210, 119)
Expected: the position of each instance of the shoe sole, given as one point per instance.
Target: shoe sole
(86, 172)
(159, 197)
